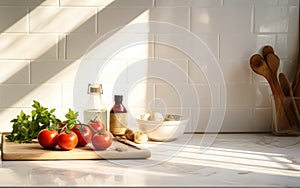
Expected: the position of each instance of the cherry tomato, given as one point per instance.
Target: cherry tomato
(48, 138)
(84, 134)
(97, 125)
(67, 141)
(102, 140)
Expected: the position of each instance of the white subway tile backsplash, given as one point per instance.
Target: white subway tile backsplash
(209, 120)
(57, 71)
(195, 73)
(108, 3)
(121, 17)
(16, 72)
(114, 71)
(238, 119)
(166, 46)
(208, 95)
(141, 95)
(29, 2)
(51, 50)
(173, 71)
(286, 45)
(288, 2)
(271, 19)
(243, 46)
(61, 46)
(158, 70)
(265, 2)
(293, 19)
(119, 46)
(166, 51)
(178, 16)
(193, 3)
(265, 39)
(188, 95)
(211, 41)
(239, 46)
(288, 67)
(247, 95)
(13, 19)
(22, 96)
(124, 17)
(199, 119)
(168, 95)
(221, 20)
(231, 3)
(68, 95)
(261, 120)
(61, 20)
(138, 51)
(236, 70)
(19, 46)
(78, 44)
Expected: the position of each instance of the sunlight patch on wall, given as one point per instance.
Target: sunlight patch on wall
(12, 67)
(57, 19)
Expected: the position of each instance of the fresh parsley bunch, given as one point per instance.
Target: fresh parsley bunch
(26, 127)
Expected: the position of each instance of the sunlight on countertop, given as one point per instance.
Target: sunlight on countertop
(232, 160)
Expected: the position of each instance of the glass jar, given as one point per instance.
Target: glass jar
(286, 119)
(118, 117)
(95, 109)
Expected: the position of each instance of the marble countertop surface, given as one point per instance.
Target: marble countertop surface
(231, 160)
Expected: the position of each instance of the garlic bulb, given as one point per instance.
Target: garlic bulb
(156, 116)
(140, 137)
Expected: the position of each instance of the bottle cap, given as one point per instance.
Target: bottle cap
(95, 88)
(118, 98)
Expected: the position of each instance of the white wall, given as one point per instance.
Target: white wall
(44, 55)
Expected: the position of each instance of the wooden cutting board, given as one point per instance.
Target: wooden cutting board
(33, 151)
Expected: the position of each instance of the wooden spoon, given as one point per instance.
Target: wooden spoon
(266, 50)
(287, 89)
(259, 66)
(273, 63)
(297, 92)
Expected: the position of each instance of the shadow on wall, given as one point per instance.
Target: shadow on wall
(9, 100)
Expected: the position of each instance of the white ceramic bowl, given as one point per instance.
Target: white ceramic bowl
(163, 130)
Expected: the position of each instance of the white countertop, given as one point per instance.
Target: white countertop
(231, 160)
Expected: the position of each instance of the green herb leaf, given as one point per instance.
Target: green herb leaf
(26, 127)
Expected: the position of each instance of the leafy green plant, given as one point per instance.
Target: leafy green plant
(71, 121)
(26, 127)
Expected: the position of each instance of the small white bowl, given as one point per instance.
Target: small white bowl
(163, 130)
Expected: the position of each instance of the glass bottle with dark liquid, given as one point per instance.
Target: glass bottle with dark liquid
(118, 117)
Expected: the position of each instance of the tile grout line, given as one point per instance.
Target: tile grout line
(96, 21)
(252, 19)
(28, 19)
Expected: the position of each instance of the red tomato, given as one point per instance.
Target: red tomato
(97, 126)
(102, 140)
(84, 134)
(67, 141)
(48, 138)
